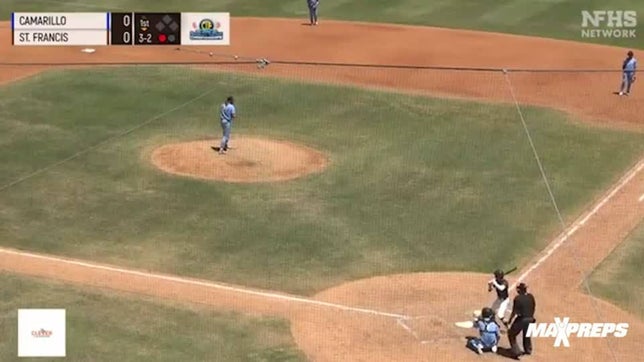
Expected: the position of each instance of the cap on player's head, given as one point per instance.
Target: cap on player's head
(630, 53)
(522, 288)
(230, 100)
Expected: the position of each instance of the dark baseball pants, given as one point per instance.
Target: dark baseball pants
(313, 14)
(520, 326)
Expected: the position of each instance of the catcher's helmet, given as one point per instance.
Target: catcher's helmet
(487, 313)
(499, 273)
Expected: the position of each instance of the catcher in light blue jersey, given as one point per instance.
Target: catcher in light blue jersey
(489, 333)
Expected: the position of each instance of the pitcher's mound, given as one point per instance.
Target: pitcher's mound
(248, 160)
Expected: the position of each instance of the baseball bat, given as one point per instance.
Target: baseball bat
(511, 270)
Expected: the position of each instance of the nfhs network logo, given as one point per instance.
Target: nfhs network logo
(609, 24)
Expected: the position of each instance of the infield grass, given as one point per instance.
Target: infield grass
(548, 18)
(103, 326)
(414, 184)
(619, 277)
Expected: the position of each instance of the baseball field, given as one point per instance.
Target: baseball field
(381, 167)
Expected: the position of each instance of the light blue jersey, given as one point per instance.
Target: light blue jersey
(489, 331)
(630, 65)
(629, 68)
(227, 112)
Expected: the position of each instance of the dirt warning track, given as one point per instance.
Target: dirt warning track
(402, 317)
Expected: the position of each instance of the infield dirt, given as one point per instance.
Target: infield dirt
(433, 300)
(249, 160)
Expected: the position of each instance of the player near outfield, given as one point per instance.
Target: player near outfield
(313, 11)
(629, 67)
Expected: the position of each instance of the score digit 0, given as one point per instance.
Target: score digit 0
(127, 24)
(121, 32)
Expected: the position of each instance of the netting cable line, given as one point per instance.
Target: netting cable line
(133, 63)
(447, 68)
(107, 140)
(264, 62)
(555, 205)
(384, 66)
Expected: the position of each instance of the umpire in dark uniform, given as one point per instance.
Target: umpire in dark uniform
(521, 317)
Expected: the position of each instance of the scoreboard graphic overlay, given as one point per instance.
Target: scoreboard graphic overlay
(101, 29)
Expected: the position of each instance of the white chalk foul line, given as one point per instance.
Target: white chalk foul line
(212, 285)
(580, 222)
(400, 319)
(641, 198)
(401, 322)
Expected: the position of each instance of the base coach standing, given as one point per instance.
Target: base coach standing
(523, 309)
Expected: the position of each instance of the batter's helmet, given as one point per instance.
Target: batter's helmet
(499, 273)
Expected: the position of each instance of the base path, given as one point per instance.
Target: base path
(402, 317)
(585, 94)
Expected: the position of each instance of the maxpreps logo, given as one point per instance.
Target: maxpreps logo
(608, 24)
(206, 29)
(562, 329)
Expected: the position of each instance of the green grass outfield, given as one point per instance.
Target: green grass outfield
(549, 18)
(111, 327)
(619, 277)
(414, 184)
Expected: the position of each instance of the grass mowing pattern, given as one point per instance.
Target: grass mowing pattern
(414, 184)
(619, 277)
(103, 326)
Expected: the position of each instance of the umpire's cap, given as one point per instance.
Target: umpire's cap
(522, 287)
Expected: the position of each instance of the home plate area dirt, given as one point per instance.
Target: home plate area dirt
(430, 302)
(434, 301)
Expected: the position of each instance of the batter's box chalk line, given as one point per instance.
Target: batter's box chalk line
(404, 323)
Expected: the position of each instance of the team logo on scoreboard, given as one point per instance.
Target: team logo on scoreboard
(206, 29)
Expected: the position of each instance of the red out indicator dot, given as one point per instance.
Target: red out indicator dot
(162, 38)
